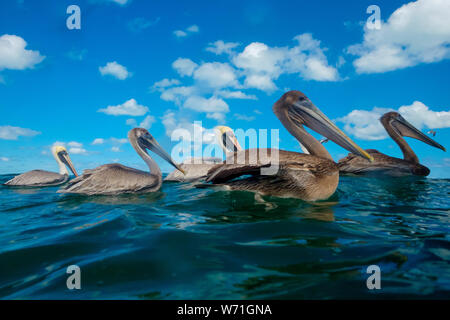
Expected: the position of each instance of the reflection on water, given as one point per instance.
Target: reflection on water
(184, 242)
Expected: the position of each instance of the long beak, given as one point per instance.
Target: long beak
(68, 162)
(314, 118)
(408, 130)
(154, 146)
(230, 142)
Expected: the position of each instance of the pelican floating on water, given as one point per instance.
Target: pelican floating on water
(111, 179)
(42, 178)
(196, 168)
(397, 128)
(308, 177)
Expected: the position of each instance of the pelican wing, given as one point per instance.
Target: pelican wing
(194, 168)
(382, 164)
(112, 179)
(38, 178)
(242, 163)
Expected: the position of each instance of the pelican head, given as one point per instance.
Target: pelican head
(227, 140)
(406, 129)
(299, 111)
(61, 155)
(146, 141)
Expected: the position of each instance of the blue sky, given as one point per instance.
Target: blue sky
(53, 88)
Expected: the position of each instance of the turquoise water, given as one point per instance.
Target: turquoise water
(188, 243)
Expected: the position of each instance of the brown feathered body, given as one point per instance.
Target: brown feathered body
(382, 164)
(38, 178)
(301, 176)
(111, 179)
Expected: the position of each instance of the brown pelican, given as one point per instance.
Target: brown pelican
(308, 177)
(397, 127)
(42, 178)
(197, 168)
(110, 179)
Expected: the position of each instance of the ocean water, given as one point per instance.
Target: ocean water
(188, 243)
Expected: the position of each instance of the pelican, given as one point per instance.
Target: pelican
(196, 169)
(42, 178)
(112, 179)
(308, 177)
(397, 128)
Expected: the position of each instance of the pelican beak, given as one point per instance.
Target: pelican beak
(305, 112)
(406, 129)
(227, 139)
(150, 143)
(64, 156)
(230, 141)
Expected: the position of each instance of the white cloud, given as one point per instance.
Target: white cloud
(216, 75)
(184, 67)
(115, 149)
(4, 159)
(98, 141)
(146, 123)
(130, 108)
(177, 94)
(365, 124)
(219, 47)
(121, 2)
(75, 144)
(13, 133)
(165, 83)
(194, 28)
(184, 33)
(74, 147)
(244, 117)
(76, 150)
(180, 33)
(118, 140)
(262, 64)
(13, 54)
(116, 70)
(201, 104)
(227, 94)
(196, 133)
(139, 24)
(417, 32)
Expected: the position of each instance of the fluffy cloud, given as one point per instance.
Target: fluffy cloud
(184, 33)
(5, 159)
(227, 94)
(244, 117)
(177, 94)
(146, 123)
(216, 75)
(73, 147)
(164, 83)
(206, 105)
(129, 108)
(417, 32)
(219, 47)
(13, 54)
(13, 133)
(116, 70)
(257, 66)
(98, 141)
(263, 64)
(140, 24)
(196, 132)
(365, 124)
(184, 67)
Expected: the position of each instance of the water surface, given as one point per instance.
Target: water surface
(188, 243)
